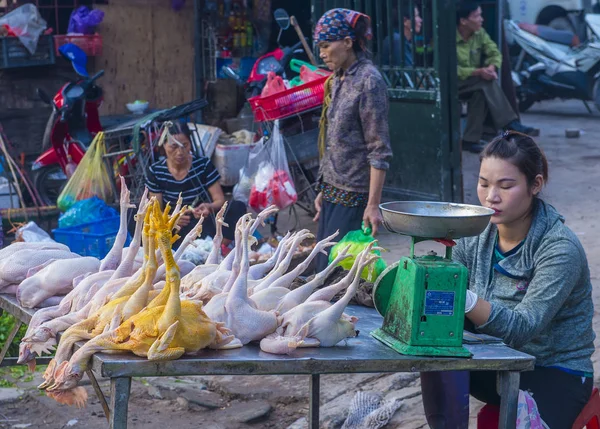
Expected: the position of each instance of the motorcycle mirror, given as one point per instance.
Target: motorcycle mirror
(282, 18)
(43, 95)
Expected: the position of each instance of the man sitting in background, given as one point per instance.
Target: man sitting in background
(478, 61)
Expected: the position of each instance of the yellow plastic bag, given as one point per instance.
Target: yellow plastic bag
(358, 240)
(91, 178)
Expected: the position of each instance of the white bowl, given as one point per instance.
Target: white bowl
(137, 108)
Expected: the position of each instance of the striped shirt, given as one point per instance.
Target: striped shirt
(201, 176)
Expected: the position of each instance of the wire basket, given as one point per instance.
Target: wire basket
(290, 102)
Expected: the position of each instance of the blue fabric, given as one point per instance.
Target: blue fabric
(408, 52)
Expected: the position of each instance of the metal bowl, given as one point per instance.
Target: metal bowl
(434, 219)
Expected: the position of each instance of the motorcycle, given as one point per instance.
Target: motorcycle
(72, 125)
(549, 67)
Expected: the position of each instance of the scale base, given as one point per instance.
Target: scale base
(405, 349)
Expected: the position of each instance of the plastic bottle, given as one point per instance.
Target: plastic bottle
(249, 34)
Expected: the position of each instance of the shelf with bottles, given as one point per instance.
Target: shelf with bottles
(233, 26)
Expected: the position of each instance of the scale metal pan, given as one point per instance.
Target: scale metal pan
(427, 219)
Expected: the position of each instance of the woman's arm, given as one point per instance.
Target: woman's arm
(557, 271)
(218, 199)
(158, 196)
(372, 216)
(374, 120)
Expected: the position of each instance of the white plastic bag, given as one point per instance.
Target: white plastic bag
(528, 416)
(31, 232)
(265, 179)
(27, 23)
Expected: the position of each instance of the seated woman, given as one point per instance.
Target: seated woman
(197, 179)
(529, 284)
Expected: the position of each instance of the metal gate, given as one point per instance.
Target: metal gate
(424, 122)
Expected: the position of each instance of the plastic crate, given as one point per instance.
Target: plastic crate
(289, 102)
(90, 44)
(14, 54)
(90, 239)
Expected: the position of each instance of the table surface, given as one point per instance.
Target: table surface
(359, 355)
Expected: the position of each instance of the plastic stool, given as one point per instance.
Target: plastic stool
(590, 415)
(489, 417)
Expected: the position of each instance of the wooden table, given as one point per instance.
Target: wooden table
(362, 354)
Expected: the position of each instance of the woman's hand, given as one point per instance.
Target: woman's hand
(185, 218)
(202, 210)
(372, 218)
(318, 204)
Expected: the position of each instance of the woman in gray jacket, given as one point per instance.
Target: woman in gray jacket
(529, 284)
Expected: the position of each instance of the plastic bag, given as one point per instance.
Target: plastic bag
(528, 416)
(89, 179)
(273, 86)
(26, 23)
(84, 20)
(85, 211)
(358, 240)
(265, 179)
(31, 232)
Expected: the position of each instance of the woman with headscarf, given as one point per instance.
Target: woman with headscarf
(354, 142)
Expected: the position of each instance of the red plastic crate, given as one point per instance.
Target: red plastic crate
(289, 102)
(91, 44)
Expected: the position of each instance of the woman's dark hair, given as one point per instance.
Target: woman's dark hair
(360, 44)
(465, 8)
(521, 151)
(180, 127)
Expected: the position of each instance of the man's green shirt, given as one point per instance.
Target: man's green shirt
(469, 53)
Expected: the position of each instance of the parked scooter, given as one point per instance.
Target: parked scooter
(548, 67)
(71, 127)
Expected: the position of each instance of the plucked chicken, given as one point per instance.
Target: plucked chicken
(166, 329)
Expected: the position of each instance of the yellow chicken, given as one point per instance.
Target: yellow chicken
(166, 329)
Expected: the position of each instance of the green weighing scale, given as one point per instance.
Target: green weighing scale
(422, 298)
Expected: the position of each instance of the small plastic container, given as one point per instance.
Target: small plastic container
(90, 239)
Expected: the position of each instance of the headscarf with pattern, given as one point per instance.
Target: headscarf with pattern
(337, 24)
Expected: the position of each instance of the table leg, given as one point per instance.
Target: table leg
(9, 339)
(314, 393)
(508, 386)
(119, 400)
(99, 393)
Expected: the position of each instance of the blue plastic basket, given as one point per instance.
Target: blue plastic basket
(90, 239)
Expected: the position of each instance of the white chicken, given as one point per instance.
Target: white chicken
(15, 268)
(246, 322)
(319, 323)
(270, 297)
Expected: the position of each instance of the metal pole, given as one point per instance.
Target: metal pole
(119, 401)
(99, 394)
(500, 21)
(508, 386)
(9, 339)
(198, 55)
(313, 407)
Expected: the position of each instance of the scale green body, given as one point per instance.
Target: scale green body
(422, 300)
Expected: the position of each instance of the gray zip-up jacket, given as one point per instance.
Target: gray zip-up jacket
(541, 295)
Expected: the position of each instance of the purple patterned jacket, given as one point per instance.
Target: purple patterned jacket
(357, 128)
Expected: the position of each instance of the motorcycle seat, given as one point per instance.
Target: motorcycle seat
(549, 34)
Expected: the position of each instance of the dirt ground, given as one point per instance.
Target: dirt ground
(282, 402)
